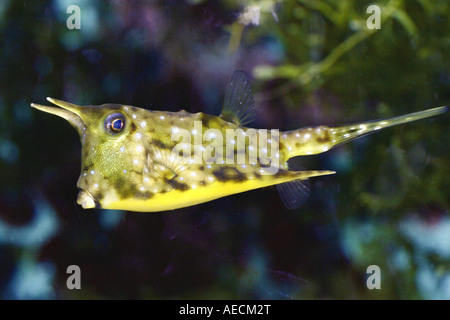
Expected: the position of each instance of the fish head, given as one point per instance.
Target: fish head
(113, 157)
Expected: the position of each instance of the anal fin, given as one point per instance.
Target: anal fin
(294, 193)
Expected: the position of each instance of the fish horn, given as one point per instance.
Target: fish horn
(69, 111)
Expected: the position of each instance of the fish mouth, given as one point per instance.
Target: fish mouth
(69, 111)
(87, 201)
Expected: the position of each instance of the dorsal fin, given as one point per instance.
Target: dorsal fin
(294, 193)
(239, 107)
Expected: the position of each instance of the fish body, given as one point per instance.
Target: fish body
(142, 160)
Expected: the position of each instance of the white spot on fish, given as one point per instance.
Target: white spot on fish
(92, 171)
(208, 166)
(134, 116)
(162, 117)
(307, 136)
(143, 124)
(193, 174)
(232, 141)
(84, 174)
(96, 185)
(122, 149)
(135, 161)
(194, 131)
(175, 130)
(138, 135)
(194, 186)
(139, 148)
(297, 135)
(181, 178)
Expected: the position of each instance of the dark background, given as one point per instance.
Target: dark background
(311, 63)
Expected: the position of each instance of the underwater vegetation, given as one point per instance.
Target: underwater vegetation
(310, 63)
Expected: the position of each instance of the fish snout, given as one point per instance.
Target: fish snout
(87, 201)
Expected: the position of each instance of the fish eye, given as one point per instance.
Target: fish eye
(115, 123)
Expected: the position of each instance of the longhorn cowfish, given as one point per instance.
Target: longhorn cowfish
(142, 160)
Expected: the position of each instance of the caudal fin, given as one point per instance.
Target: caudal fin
(345, 133)
(308, 141)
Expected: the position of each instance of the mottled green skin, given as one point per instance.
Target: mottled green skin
(132, 169)
(136, 163)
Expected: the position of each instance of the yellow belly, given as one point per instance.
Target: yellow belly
(179, 199)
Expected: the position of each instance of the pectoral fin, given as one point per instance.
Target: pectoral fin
(165, 163)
